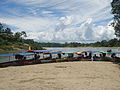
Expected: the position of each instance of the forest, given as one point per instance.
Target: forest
(110, 43)
(10, 40)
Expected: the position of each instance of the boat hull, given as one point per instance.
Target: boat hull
(19, 63)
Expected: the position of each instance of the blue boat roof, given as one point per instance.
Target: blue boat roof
(94, 51)
(56, 52)
(116, 52)
(7, 54)
(104, 52)
(24, 53)
(40, 51)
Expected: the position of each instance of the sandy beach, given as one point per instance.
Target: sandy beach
(61, 76)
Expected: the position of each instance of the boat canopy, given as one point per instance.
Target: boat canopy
(41, 51)
(116, 52)
(56, 52)
(70, 52)
(7, 54)
(98, 52)
(104, 52)
(24, 53)
(94, 51)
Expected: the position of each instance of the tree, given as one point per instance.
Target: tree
(8, 31)
(1, 28)
(23, 33)
(20, 34)
(116, 12)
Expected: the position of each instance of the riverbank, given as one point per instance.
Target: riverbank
(11, 49)
(62, 76)
(4, 49)
(83, 47)
(14, 47)
(26, 47)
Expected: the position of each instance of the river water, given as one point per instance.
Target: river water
(12, 58)
(83, 49)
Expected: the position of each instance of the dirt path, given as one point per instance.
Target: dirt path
(62, 76)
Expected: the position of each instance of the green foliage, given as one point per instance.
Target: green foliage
(10, 40)
(116, 11)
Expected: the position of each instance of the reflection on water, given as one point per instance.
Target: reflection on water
(82, 49)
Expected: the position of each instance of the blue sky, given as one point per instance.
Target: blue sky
(59, 20)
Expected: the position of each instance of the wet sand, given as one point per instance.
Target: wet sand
(61, 76)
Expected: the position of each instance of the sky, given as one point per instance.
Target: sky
(59, 20)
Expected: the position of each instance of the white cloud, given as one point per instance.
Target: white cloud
(61, 30)
(63, 20)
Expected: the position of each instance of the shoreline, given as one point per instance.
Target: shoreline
(82, 47)
(83, 75)
(18, 49)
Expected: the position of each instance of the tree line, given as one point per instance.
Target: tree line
(10, 40)
(104, 43)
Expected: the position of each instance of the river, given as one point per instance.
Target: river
(83, 49)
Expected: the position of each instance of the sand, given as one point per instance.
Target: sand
(61, 76)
